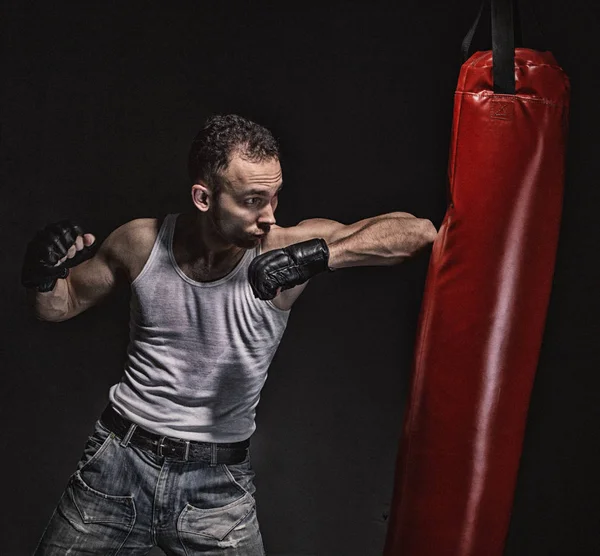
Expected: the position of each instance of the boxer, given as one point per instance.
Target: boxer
(168, 461)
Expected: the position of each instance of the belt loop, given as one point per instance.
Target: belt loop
(213, 454)
(127, 437)
(187, 450)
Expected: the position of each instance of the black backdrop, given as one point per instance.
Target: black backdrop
(100, 101)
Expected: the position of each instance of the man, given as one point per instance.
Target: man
(168, 462)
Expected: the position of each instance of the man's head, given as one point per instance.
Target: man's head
(219, 140)
(234, 166)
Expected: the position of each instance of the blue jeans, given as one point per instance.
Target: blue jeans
(123, 500)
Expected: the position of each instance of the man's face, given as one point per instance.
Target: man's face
(244, 209)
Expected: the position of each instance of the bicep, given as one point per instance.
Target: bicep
(329, 230)
(94, 279)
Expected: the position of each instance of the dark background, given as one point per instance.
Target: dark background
(100, 101)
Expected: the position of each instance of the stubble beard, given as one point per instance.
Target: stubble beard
(238, 238)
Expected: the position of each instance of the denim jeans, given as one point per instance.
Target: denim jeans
(123, 500)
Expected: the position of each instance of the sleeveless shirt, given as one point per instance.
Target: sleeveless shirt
(198, 352)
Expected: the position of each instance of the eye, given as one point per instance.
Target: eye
(252, 201)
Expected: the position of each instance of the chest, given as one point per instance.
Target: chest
(167, 311)
(204, 269)
(201, 272)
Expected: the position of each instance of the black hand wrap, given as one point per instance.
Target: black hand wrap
(287, 267)
(45, 250)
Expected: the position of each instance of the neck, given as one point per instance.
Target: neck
(200, 243)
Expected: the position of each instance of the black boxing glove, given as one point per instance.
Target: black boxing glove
(47, 248)
(287, 267)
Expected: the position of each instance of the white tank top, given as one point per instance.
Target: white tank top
(198, 351)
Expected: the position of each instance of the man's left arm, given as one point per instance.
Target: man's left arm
(317, 245)
(379, 241)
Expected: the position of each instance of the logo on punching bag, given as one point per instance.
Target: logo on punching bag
(502, 110)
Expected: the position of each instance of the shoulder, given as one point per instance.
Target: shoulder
(329, 230)
(135, 234)
(128, 246)
(139, 231)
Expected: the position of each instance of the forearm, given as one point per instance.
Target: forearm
(51, 306)
(383, 240)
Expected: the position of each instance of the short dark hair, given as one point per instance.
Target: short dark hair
(219, 139)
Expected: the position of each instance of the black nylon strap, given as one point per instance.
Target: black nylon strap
(506, 33)
(466, 44)
(503, 46)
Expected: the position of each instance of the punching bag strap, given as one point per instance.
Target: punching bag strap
(505, 26)
(503, 46)
(466, 44)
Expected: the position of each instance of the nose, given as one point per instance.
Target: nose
(266, 218)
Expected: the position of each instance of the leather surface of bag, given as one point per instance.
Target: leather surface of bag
(483, 312)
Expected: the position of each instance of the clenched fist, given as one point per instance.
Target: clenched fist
(52, 252)
(285, 268)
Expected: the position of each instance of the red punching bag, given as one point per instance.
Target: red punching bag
(485, 302)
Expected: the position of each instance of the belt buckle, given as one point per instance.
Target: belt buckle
(160, 446)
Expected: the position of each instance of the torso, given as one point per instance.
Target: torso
(198, 352)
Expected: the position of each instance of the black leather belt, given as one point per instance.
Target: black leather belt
(176, 448)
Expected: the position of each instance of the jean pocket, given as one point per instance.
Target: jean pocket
(98, 522)
(94, 506)
(215, 523)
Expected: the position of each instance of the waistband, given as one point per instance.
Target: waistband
(212, 453)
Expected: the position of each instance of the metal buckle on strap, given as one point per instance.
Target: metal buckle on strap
(160, 445)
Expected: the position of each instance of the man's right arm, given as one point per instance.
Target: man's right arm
(94, 279)
(87, 284)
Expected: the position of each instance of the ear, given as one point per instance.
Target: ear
(201, 196)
